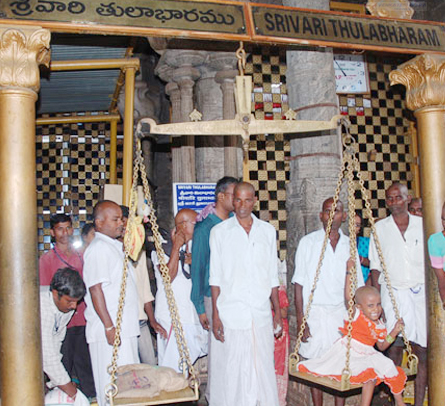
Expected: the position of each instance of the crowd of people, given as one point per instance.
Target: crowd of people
(232, 302)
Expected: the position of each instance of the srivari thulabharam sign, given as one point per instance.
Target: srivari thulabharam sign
(306, 25)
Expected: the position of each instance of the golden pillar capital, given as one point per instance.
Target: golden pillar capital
(22, 50)
(424, 79)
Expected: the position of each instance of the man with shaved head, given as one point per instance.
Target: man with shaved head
(401, 239)
(103, 269)
(178, 263)
(244, 282)
(328, 308)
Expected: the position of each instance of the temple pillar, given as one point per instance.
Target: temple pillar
(226, 63)
(209, 149)
(22, 50)
(172, 90)
(185, 75)
(424, 80)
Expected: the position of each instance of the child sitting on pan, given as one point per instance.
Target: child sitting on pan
(367, 365)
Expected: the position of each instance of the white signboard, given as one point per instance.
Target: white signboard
(193, 196)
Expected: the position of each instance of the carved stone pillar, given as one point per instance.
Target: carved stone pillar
(22, 50)
(185, 74)
(424, 79)
(226, 63)
(209, 149)
(172, 90)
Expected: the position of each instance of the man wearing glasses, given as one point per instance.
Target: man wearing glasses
(178, 264)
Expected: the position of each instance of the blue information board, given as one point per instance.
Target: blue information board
(193, 196)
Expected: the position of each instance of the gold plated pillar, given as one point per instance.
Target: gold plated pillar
(21, 51)
(128, 135)
(424, 79)
(113, 152)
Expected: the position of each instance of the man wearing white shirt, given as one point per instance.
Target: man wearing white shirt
(401, 239)
(103, 269)
(328, 308)
(57, 306)
(244, 281)
(178, 264)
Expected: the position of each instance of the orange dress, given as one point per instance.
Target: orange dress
(366, 363)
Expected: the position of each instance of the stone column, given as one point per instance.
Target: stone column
(185, 75)
(172, 90)
(22, 50)
(209, 149)
(424, 79)
(226, 63)
(315, 160)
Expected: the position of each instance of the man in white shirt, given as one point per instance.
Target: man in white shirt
(244, 281)
(328, 309)
(102, 272)
(57, 306)
(178, 264)
(401, 239)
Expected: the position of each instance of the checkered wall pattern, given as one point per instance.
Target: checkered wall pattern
(380, 126)
(72, 165)
(268, 170)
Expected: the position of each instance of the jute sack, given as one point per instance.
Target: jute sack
(147, 381)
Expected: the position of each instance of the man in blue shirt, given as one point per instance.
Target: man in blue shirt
(201, 295)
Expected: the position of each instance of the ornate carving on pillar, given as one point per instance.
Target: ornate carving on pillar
(225, 63)
(390, 8)
(22, 50)
(424, 79)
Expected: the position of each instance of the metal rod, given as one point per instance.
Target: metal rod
(91, 64)
(128, 135)
(113, 153)
(100, 118)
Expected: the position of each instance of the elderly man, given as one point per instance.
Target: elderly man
(178, 263)
(76, 357)
(244, 282)
(401, 239)
(103, 270)
(57, 306)
(328, 308)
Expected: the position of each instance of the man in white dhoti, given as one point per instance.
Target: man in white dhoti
(179, 270)
(401, 239)
(102, 272)
(328, 308)
(244, 281)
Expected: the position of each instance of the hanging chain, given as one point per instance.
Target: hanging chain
(184, 360)
(241, 56)
(350, 164)
(412, 358)
(349, 154)
(184, 354)
(111, 389)
(294, 357)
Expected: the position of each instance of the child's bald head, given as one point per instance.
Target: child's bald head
(364, 293)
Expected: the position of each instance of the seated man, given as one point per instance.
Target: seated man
(179, 269)
(57, 306)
